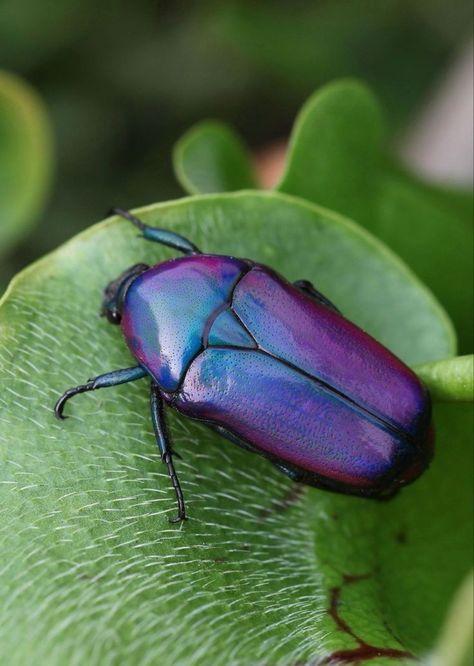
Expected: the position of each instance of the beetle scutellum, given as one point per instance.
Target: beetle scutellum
(272, 366)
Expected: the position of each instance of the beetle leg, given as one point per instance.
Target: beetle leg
(288, 471)
(307, 288)
(235, 440)
(102, 381)
(387, 495)
(162, 236)
(163, 441)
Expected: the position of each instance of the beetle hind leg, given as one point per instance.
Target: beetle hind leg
(164, 445)
(235, 440)
(307, 288)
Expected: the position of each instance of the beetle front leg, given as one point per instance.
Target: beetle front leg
(163, 441)
(102, 381)
(307, 288)
(157, 235)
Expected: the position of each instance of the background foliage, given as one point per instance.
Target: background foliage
(123, 81)
(26, 157)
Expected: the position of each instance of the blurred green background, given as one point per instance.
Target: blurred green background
(122, 81)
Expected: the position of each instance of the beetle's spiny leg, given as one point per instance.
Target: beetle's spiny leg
(102, 381)
(157, 235)
(127, 215)
(307, 288)
(164, 445)
(167, 458)
(70, 393)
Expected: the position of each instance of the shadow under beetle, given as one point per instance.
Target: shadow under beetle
(272, 366)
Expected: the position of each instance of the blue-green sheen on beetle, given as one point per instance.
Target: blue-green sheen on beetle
(272, 366)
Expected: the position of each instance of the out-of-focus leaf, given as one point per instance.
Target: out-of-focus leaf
(116, 110)
(25, 158)
(334, 152)
(91, 570)
(335, 160)
(428, 533)
(431, 229)
(32, 32)
(455, 647)
(211, 158)
(303, 45)
(451, 379)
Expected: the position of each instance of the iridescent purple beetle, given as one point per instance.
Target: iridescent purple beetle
(272, 366)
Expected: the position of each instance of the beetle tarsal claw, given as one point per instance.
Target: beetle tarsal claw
(70, 393)
(167, 458)
(58, 409)
(178, 519)
(59, 406)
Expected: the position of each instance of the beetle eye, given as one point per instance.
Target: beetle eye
(114, 316)
(115, 291)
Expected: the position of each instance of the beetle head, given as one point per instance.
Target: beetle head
(115, 291)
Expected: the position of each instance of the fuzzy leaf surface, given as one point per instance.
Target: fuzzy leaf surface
(92, 572)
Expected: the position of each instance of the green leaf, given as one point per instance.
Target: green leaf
(333, 156)
(25, 158)
(438, 510)
(431, 229)
(455, 647)
(211, 158)
(91, 570)
(336, 160)
(450, 379)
